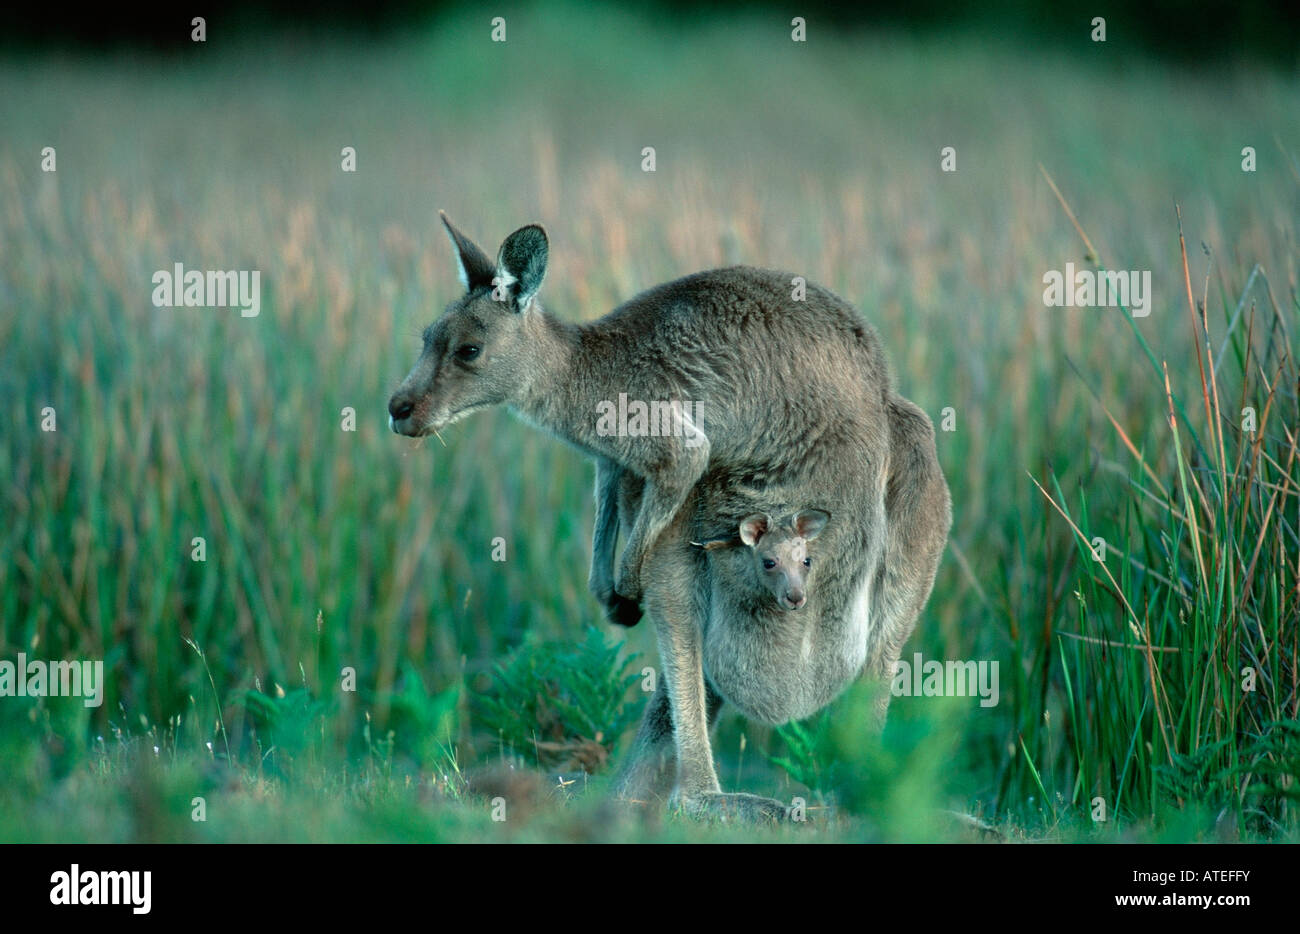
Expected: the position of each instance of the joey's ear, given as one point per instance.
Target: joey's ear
(521, 264)
(753, 528)
(472, 264)
(808, 524)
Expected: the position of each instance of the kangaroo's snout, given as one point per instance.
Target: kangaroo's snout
(794, 599)
(400, 408)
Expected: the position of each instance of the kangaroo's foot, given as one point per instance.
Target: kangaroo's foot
(732, 808)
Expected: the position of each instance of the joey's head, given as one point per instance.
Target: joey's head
(780, 553)
(479, 352)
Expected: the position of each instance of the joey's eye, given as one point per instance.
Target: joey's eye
(807, 562)
(769, 563)
(468, 352)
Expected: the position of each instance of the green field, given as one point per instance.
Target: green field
(1122, 681)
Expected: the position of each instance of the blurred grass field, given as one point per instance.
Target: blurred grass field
(326, 549)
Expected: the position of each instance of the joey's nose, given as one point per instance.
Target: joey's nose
(794, 599)
(400, 408)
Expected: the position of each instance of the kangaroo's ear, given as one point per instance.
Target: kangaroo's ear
(472, 264)
(753, 528)
(521, 264)
(809, 523)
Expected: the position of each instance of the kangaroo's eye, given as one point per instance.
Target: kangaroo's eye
(468, 351)
(769, 563)
(807, 562)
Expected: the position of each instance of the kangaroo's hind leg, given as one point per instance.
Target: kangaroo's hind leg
(649, 771)
(676, 589)
(918, 515)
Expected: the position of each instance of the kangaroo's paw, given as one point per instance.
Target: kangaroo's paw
(734, 808)
(622, 611)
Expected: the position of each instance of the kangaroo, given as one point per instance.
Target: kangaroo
(780, 561)
(788, 395)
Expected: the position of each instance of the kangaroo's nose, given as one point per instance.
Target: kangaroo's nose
(794, 599)
(400, 408)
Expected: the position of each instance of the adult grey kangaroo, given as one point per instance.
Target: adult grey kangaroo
(795, 396)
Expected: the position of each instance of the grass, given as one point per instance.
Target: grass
(329, 551)
(1207, 673)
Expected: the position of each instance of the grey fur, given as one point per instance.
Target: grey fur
(798, 411)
